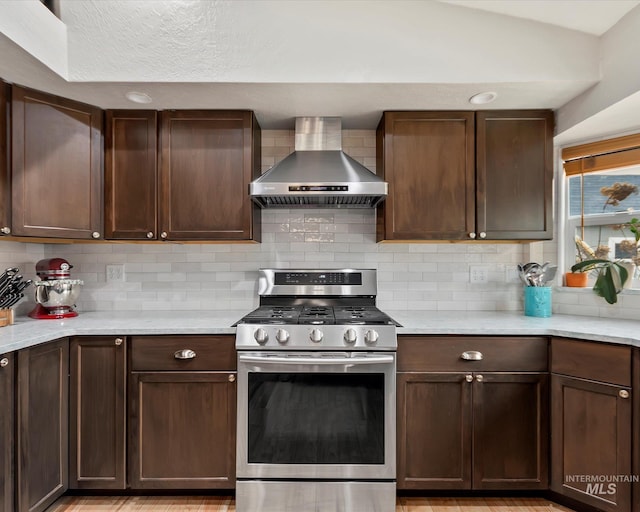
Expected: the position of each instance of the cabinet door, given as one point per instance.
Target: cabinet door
(97, 413)
(591, 439)
(182, 430)
(131, 175)
(510, 431)
(7, 368)
(5, 182)
(514, 174)
(428, 160)
(57, 166)
(42, 425)
(208, 159)
(434, 431)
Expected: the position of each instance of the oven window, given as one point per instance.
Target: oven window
(319, 418)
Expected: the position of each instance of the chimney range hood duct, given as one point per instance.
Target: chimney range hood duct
(318, 174)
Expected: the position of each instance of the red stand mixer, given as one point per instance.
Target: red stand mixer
(56, 293)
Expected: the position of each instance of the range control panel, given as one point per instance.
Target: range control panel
(297, 278)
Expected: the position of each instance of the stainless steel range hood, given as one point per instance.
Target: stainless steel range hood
(318, 174)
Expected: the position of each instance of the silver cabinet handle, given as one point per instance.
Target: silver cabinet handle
(232, 378)
(479, 378)
(5, 230)
(149, 234)
(185, 354)
(471, 355)
(163, 235)
(4, 362)
(468, 378)
(472, 235)
(483, 234)
(118, 341)
(95, 234)
(623, 393)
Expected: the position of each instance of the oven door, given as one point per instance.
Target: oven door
(309, 415)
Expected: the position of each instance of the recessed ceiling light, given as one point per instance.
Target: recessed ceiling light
(483, 97)
(138, 97)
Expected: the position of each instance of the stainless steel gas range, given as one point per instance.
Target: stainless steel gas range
(316, 395)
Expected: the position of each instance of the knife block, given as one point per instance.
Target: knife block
(6, 317)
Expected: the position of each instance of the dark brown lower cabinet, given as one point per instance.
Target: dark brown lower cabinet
(97, 435)
(591, 442)
(510, 431)
(182, 430)
(7, 369)
(42, 425)
(472, 431)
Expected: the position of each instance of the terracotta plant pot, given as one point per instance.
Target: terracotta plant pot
(576, 279)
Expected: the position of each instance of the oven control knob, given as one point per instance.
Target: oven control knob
(282, 336)
(350, 336)
(316, 335)
(371, 337)
(261, 336)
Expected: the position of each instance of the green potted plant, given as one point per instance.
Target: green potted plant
(611, 275)
(610, 279)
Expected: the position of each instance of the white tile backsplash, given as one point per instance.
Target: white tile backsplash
(422, 276)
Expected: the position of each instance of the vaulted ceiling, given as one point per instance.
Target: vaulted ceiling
(352, 58)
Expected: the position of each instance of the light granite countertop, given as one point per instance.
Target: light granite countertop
(27, 332)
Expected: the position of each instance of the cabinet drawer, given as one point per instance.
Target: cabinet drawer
(591, 360)
(158, 353)
(445, 354)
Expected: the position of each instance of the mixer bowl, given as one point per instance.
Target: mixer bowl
(58, 293)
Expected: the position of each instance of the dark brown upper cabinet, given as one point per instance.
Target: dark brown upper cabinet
(207, 160)
(56, 166)
(5, 181)
(465, 175)
(428, 160)
(514, 175)
(131, 175)
(197, 189)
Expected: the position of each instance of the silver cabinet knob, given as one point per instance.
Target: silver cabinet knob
(150, 234)
(350, 336)
(371, 337)
(184, 354)
(471, 355)
(163, 235)
(231, 378)
(261, 336)
(282, 336)
(95, 234)
(118, 341)
(472, 235)
(5, 230)
(4, 362)
(479, 378)
(468, 378)
(483, 234)
(316, 335)
(623, 393)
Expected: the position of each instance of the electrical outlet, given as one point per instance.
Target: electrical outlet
(115, 273)
(478, 274)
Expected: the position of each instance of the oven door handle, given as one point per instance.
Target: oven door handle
(381, 359)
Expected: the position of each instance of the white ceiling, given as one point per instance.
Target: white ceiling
(284, 59)
(591, 16)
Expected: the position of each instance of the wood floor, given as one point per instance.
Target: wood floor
(226, 504)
